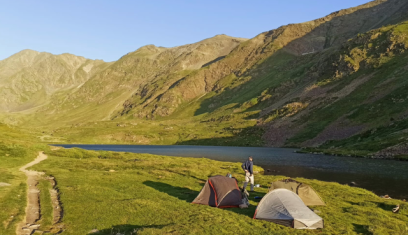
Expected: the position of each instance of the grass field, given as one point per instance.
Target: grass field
(129, 193)
(215, 129)
(16, 149)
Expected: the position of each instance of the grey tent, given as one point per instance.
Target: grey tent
(304, 191)
(284, 207)
(220, 191)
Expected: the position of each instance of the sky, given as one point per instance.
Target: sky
(107, 30)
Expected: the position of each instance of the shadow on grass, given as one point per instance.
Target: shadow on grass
(126, 229)
(384, 206)
(185, 175)
(250, 211)
(353, 203)
(361, 229)
(184, 194)
(189, 195)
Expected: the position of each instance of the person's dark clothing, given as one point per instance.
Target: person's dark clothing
(248, 165)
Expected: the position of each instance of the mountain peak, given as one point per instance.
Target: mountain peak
(26, 53)
(224, 37)
(148, 49)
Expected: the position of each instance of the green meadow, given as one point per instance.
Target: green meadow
(126, 193)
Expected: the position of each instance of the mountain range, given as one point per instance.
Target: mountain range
(336, 85)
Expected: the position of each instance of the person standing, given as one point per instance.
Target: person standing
(248, 167)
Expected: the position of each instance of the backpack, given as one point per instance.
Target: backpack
(245, 199)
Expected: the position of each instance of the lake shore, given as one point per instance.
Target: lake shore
(383, 155)
(378, 176)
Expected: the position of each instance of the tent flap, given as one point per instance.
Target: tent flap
(206, 196)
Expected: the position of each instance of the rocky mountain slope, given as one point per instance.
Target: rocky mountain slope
(336, 83)
(296, 39)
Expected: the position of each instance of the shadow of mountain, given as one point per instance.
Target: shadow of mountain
(270, 73)
(184, 194)
(213, 61)
(126, 229)
(250, 136)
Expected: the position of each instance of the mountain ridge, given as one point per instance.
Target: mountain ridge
(26, 59)
(262, 46)
(300, 85)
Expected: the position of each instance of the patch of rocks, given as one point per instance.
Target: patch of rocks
(391, 152)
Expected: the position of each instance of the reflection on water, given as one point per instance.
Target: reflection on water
(379, 176)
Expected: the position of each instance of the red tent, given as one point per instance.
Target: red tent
(220, 191)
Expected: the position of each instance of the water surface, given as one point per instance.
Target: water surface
(380, 176)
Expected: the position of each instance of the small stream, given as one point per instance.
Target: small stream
(380, 176)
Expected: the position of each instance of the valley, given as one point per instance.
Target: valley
(334, 86)
(347, 97)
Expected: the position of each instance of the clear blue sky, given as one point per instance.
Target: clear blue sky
(101, 29)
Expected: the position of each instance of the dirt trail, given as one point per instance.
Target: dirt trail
(57, 211)
(28, 226)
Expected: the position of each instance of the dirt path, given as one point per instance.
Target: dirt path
(28, 226)
(57, 209)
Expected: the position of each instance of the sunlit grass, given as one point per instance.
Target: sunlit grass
(17, 148)
(126, 192)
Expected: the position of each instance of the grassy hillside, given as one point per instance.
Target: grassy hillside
(28, 79)
(243, 63)
(360, 95)
(138, 76)
(231, 130)
(148, 194)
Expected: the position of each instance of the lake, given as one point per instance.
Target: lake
(380, 176)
